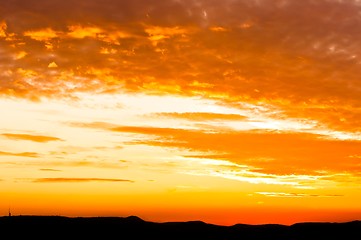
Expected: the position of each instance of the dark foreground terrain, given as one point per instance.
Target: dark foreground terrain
(54, 227)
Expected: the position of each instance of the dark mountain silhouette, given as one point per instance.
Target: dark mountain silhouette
(54, 227)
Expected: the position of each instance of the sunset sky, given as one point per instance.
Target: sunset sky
(232, 111)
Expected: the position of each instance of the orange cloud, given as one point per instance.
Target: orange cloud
(20, 55)
(56, 180)
(158, 33)
(305, 66)
(42, 34)
(100, 125)
(267, 152)
(49, 170)
(22, 154)
(52, 165)
(52, 65)
(95, 164)
(78, 31)
(218, 29)
(28, 137)
(3, 28)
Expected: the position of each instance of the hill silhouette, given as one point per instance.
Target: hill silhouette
(133, 227)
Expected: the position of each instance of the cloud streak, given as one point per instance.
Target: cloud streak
(49, 170)
(72, 180)
(21, 154)
(269, 156)
(297, 195)
(202, 116)
(272, 152)
(29, 137)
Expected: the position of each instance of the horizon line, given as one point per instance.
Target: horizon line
(188, 221)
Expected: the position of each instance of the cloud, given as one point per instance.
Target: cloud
(21, 154)
(49, 170)
(96, 125)
(267, 152)
(52, 65)
(29, 137)
(3, 27)
(300, 57)
(95, 164)
(56, 180)
(78, 31)
(41, 34)
(283, 194)
(202, 116)
(77, 164)
(158, 34)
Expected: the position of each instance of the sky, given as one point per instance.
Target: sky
(232, 111)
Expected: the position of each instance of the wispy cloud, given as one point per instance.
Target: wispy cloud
(97, 125)
(42, 34)
(29, 137)
(300, 152)
(284, 194)
(271, 152)
(56, 180)
(49, 170)
(21, 154)
(202, 116)
(51, 165)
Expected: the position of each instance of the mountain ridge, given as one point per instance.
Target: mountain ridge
(133, 227)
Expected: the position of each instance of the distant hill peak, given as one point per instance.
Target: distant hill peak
(134, 219)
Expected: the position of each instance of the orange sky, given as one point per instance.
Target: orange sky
(233, 111)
